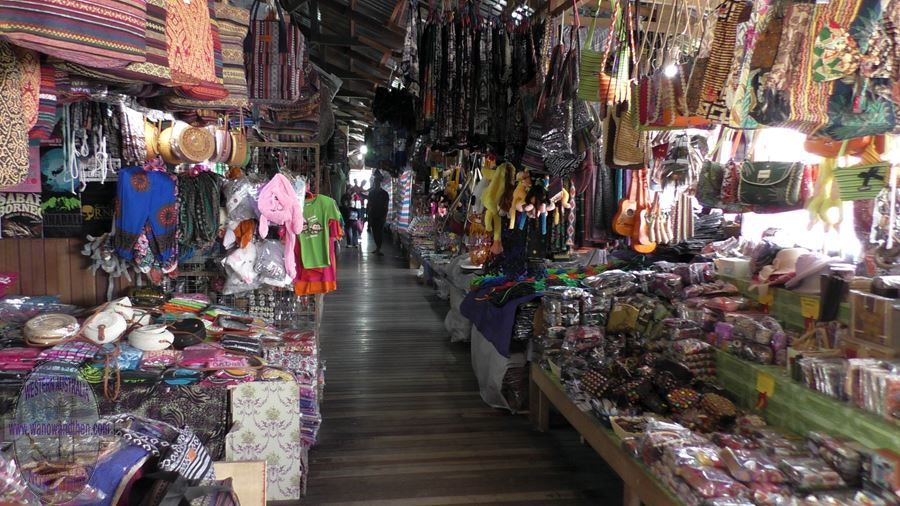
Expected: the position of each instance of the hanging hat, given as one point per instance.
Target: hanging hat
(809, 266)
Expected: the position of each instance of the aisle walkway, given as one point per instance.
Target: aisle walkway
(403, 421)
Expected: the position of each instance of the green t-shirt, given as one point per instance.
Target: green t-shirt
(317, 213)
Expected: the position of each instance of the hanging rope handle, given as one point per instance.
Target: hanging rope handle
(593, 27)
(613, 28)
(645, 39)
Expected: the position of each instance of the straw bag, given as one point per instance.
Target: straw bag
(274, 55)
(14, 161)
(97, 33)
(865, 180)
(629, 144)
(594, 84)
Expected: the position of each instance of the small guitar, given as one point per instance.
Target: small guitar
(623, 221)
(640, 236)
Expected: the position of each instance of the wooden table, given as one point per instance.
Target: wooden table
(640, 485)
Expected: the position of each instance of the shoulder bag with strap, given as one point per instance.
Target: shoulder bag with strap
(274, 55)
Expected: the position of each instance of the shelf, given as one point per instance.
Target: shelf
(799, 409)
(640, 485)
(787, 304)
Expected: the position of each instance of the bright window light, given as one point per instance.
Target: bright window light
(793, 228)
(363, 149)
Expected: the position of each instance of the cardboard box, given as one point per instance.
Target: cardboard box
(875, 319)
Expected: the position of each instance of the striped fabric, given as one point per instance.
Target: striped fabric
(156, 67)
(861, 182)
(209, 89)
(98, 33)
(406, 188)
(47, 117)
(190, 42)
(232, 24)
(809, 98)
(274, 52)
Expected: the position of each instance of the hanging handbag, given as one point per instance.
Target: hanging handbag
(274, 56)
(594, 84)
(211, 86)
(864, 180)
(770, 184)
(97, 33)
(560, 159)
(629, 148)
(190, 43)
(533, 157)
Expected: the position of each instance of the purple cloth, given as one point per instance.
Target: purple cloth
(494, 323)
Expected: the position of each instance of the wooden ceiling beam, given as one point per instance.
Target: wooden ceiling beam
(364, 19)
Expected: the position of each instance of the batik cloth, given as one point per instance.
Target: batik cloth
(146, 204)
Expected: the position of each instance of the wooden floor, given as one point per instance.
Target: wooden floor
(403, 421)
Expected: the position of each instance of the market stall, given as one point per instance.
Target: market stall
(682, 219)
(167, 242)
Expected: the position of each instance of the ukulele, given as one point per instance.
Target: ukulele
(623, 221)
(640, 235)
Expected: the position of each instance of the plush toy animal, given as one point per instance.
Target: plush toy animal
(491, 199)
(277, 203)
(523, 185)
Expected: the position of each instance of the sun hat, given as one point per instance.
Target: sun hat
(808, 268)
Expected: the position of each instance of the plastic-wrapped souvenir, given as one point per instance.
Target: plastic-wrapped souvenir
(751, 466)
(583, 338)
(710, 482)
(810, 474)
(666, 285)
(562, 306)
(843, 456)
(676, 329)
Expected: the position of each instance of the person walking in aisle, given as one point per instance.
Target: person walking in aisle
(351, 220)
(376, 211)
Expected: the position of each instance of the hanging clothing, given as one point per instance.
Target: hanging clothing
(146, 204)
(324, 279)
(316, 236)
(405, 185)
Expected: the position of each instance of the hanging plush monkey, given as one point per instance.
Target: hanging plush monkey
(523, 185)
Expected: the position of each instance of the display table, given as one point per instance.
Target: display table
(640, 485)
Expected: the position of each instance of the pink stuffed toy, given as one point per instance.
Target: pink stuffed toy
(278, 204)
